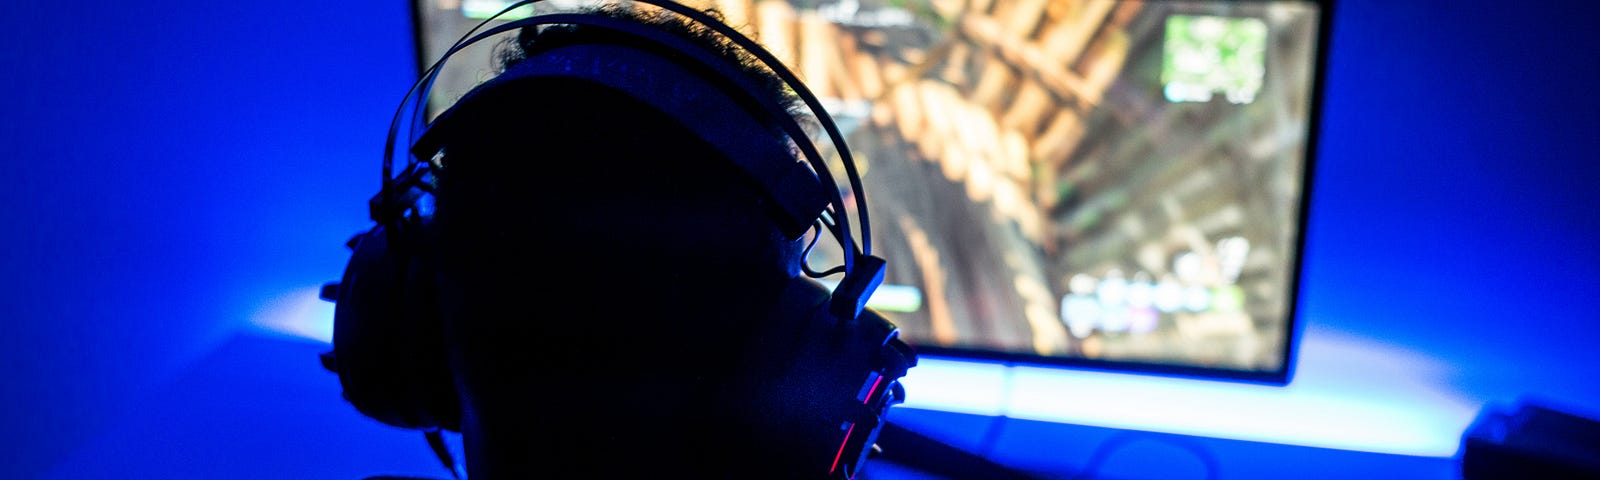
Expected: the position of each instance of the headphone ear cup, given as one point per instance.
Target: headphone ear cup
(818, 385)
(387, 335)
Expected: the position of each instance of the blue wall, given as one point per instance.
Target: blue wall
(173, 166)
(1455, 205)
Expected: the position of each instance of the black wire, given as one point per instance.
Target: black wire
(817, 227)
(394, 124)
(826, 217)
(816, 233)
(1124, 438)
(991, 435)
(825, 222)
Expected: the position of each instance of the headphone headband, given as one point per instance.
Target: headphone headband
(696, 102)
(863, 272)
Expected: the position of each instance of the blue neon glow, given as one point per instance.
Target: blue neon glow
(300, 313)
(1349, 393)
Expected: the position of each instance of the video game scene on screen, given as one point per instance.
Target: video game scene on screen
(1081, 179)
(1109, 180)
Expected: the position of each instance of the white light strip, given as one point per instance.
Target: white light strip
(1349, 394)
(961, 387)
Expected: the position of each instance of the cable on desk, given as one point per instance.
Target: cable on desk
(1124, 438)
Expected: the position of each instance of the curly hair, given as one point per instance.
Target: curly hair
(536, 39)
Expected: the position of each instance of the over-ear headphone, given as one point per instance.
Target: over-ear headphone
(832, 365)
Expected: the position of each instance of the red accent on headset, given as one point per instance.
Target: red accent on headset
(842, 444)
(852, 429)
(874, 389)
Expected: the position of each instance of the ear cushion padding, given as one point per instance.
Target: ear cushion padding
(799, 393)
(387, 339)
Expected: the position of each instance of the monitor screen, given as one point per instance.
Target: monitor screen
(1110, 184)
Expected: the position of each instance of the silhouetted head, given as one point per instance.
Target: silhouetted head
(601, 260)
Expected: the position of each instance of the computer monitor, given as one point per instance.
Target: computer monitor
(1104, 184)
